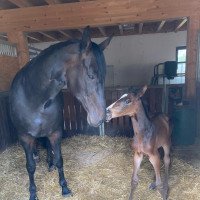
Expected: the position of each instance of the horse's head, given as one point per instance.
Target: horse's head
(127, 104)
(87, 78)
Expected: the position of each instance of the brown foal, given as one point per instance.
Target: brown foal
(149, 135)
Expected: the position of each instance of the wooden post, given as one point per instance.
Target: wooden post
(192, 38)
(20, 40)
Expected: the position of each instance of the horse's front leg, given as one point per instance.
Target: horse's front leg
(55, 140)
(28, 143)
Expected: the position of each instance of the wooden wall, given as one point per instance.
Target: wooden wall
(8, 68)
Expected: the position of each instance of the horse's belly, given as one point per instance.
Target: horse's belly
(36, 123)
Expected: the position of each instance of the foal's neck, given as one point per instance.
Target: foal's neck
(141, 124)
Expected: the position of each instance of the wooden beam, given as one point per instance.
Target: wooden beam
(80, 30)
(191, 61)
(33, 38)
(94, 13)
(48, 36)
(50, 2)
(64, 33)
(140, 28)
(102, 31)
(180, 24)
(121, 29)
(20, 39)
(21, 3)
(162, 23)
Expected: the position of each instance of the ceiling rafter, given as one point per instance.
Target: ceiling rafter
(50, 2)
(140, 27)
(65, 34)
(181, 24)
(102, 31)
(121, 29)
(162, 23)
(48, 36)
(21, 3)
(34, 38)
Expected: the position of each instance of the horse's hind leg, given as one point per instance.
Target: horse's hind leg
(155, 161)
(50, 156)
(35, 152)
(27, 142)
(55, 140)
(166, 163)
(134, 181)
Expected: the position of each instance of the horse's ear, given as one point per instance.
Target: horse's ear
(142, 91)
(86, 40)
(105, 43)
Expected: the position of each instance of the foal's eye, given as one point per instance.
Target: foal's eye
(128, 101)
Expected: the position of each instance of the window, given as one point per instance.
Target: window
(181, 60)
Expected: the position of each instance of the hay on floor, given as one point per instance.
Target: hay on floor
(97, 169)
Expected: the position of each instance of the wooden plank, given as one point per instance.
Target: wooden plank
(50, 2)
(181, 24)
(21, 3)
(94, 13)
(121, 29)
(65, 34)
(48, 36)
(20, 39)
(102, 31)
(140, 28)
(192, 38)
(162, 23)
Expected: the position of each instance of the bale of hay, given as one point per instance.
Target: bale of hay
(97, 168)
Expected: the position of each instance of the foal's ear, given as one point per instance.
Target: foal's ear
(142, 91)
(86, 40)
(105, 43)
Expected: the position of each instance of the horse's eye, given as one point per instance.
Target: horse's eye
(128, 101)
(90, 76)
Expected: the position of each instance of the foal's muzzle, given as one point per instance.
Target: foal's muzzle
(108, 115)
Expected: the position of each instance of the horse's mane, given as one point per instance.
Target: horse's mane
(100, 62)
(51, 49)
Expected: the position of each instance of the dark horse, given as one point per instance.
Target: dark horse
(35, 101)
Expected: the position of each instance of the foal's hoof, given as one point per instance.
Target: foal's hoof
(66, 192)
(152, 186)
(33, 197)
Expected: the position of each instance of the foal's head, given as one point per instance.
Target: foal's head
(87, 78)
(127, 104)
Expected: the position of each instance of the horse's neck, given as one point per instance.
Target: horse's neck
(51, 80)
(141, 124)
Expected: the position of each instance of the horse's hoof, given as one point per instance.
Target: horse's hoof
(33, 197)
(152, 186)
(51, 168)
(66, 192)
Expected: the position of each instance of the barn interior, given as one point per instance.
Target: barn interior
(148, 38)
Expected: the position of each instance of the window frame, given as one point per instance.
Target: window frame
(180, 48)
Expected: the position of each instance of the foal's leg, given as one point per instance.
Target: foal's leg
(55, 140)
(155, 161)
(27, 142)
(167, 163)
(134, 181)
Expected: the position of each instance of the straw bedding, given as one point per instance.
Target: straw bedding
(98, 169)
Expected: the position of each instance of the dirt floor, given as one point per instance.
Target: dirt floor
(98, 169)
